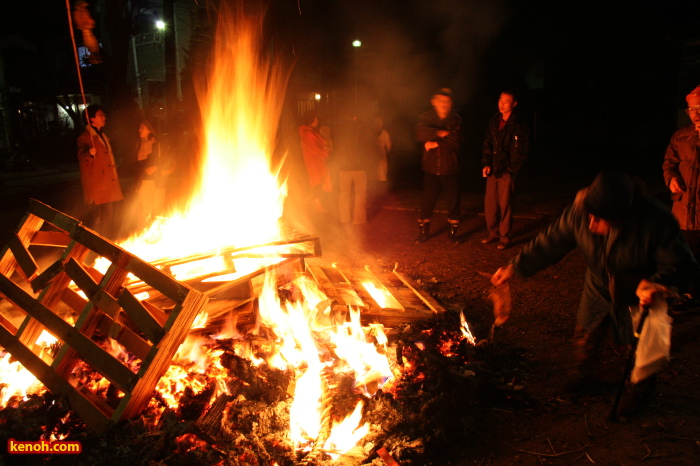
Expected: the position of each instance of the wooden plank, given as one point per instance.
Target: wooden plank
(153, 369)
(22, 255)
(428, 300)
(8, 325)
(157, 313)
(124, 336)
(103, 300)
(347, 290)
(244, 279)
(325, 283)
(140, 315)
(158, 280)
(50, 238)
(387, 301)
(45, 277)
(53, 216)
(73, 300)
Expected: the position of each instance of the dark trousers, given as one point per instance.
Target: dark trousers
(497, 206)
(433, 185)
(693, 239)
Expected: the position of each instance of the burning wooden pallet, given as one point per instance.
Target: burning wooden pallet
(148, 312)
(386, 298)
(86, 310)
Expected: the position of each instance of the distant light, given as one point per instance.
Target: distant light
(356, 43)
(317, 96)
(160, 24)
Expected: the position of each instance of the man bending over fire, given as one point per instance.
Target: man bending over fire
(634, 251)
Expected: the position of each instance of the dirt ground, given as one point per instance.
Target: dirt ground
(540, 424)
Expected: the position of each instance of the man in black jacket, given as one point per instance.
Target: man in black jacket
(504, 150)
(438, 130)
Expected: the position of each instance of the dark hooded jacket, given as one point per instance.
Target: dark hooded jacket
(682, 161)
(648, 245)
(505, 150)
(444, 159)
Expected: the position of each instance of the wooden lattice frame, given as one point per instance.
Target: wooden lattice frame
(48, 298)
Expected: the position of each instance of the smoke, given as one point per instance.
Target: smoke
(409, 49)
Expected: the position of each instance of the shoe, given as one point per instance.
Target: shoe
(637, 397)
(502, 246)
(453, 234)
(490, 239)
(424, 232)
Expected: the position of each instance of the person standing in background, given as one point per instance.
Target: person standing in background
(315, 150)
(681, 169)
(98, 172)
(147, 170)
(354, 154)
(439, 132)
(382, 145)
(504, 150)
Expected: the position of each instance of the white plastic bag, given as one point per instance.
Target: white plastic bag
(654, 346)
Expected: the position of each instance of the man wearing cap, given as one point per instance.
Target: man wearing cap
(682, 173)
(438, 131)
(633, 250)
(504, 150)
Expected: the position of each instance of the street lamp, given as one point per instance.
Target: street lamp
(160, 24)
(357, 44)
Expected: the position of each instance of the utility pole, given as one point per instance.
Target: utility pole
(170, 51)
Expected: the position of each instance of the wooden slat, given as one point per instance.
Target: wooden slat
(143, 319)
(428, 300)
(45, 277)
(8, 325)
(153, 369)
(50, 238)
(324, 282)
(92, 290)
(73, 300)
(53, 216)
(22, 255)
(156, 312)
(124, 336)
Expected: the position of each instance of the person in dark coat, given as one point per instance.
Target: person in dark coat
(681, 168)
(633, 249)
(439, 131)
(98, 171)
(505, 149)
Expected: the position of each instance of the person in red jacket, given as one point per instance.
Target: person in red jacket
(315, 149)
(98, 172)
